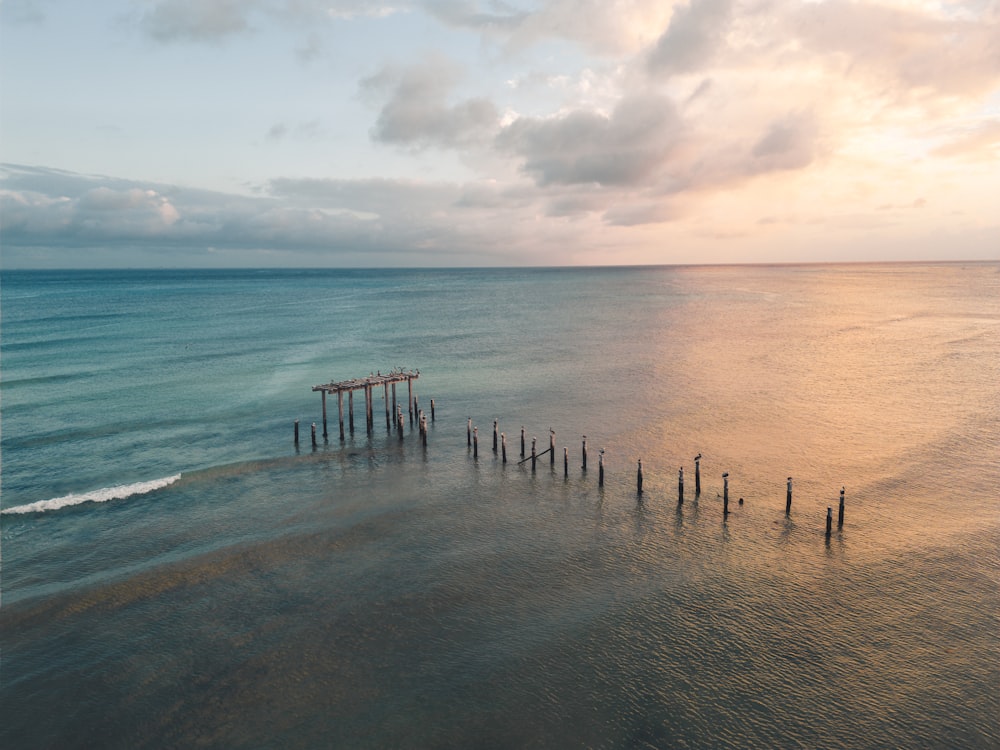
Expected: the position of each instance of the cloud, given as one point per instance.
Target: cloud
(197, 20)
(416, 112)
(981, 142)
(692, 39)
(627, 147)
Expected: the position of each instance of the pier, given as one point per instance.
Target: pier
(369, 385)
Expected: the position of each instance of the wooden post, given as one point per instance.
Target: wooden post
(399, 419)
(409, 383)
(725, 494)
(638, 478)
(565, 461)
(395, 405)
(533, 453)
(350, 410)
(475, 442)
(584, 453)
(468, 432)
(385, 397)
(600, 468)
(369, 422)
(340, 412)
(552, 447)
(840, 511)
(324, 414)
(432, 410)
(495, 434)
(697, 475)
(503, 446)
(314, 434)
(680, 486)
(416, 405)
(423, 423)
(522, 441)
(296, 432)
(829, 520)
(788, 497)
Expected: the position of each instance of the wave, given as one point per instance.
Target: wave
(96, 496)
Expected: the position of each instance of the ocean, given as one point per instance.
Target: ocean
(178, 572)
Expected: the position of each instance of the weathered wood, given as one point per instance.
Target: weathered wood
(432, 410)
(475, 442)
(600, 468)
(725, 494)
(385, 397)
(503, 446)
(680, 486)
(495, 435)
(697, 476)
(829, 520)
(788, 497)
(296, 432)
(584, 467)
(340, 413)
(638, 478)
(350, 410)
(840, 511)
(314, 434)
(324, 415)
(565, 461)
(522, 441)
(552, 447)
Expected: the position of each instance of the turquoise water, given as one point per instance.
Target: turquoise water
(176, 572)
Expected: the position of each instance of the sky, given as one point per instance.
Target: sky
(363, 133)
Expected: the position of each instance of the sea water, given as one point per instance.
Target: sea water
(177, 572)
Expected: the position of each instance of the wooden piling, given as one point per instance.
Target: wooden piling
(432, 410)
(600, 468)
(697, 475)
(423, 425)
(680, 486)
(324, 415)
(638, 479)
(475, 442)
(296, 432)
(314, 434)
(340, 413)
(584, 450)
(829, 520)
(495, 435)
(409, 383)
(416, 406)
(565, 461)
(468, 432)
(725, 494)
(552, 447)
(840, 511)
(369, 412)
(350, 410)
(522, 441)
(503, 446)
(788, 497)
(533, 457)
(385, 397)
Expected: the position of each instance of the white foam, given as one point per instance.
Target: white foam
(96, 496)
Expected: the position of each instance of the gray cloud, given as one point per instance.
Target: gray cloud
(416, 112)
(789, 143)
(626, 148)
(197, 20)
(693, 38)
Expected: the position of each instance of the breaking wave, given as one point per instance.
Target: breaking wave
(96, 496)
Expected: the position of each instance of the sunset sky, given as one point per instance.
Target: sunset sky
(217, 133)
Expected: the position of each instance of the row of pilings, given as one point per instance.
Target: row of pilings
(500, 448)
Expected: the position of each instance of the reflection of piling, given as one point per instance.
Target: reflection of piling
(840, 511)
(600, 468)
(725, 494)
(697, 475)
(638, 478)
(680, 486)
(584, 453)
(829, 520)
(788, 497)
(503, 446)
